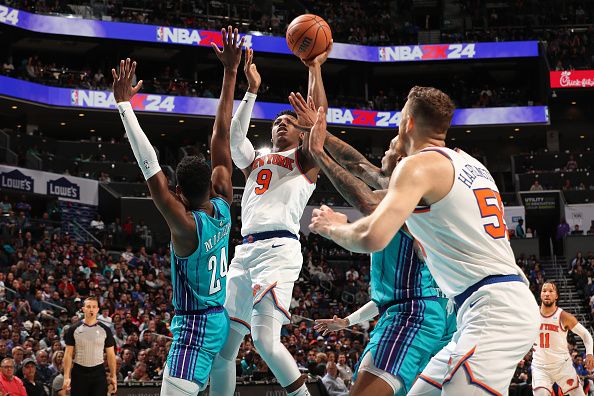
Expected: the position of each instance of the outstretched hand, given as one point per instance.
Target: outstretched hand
(326, 326)
(230, 56)
(320, 59)
(317, 136)
(123, 90)
(306, 111)
(251, 72)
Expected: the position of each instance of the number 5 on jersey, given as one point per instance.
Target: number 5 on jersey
(263, 180)
(490, 206)
(215, 281)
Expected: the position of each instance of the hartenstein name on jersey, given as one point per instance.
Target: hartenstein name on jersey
(193, 36)
(426, 52)
(106, 100)
(274, 159)
(215, 238)
(549, 327)
(469, 173)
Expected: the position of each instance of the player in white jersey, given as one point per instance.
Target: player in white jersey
(551, 362)
(452, 207)
(265, 267)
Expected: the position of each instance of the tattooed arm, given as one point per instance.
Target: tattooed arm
(354, 162)
(355, 191)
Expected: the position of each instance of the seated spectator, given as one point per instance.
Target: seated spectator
(247, 364)
(10, 384)
(536, 186)
(32, 385)
(529, 233)
(571, 164)
(139, 374)
(334, 385)
(591, 230)
(576, 230)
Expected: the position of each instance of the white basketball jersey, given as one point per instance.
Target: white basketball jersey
(275, 194)
(550, 348)
(464, 235)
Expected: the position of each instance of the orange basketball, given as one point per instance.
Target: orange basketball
(308, 36)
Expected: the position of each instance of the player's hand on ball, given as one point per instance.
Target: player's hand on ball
(122, 81)
(251, 72)
(320, 59)
(324, 219)
(306, 111)
(589, 363)
(230, 56)
(326, 326)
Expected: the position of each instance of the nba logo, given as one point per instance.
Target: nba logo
(160, 34)
(146, 164)
(74, 97)
(382, 53)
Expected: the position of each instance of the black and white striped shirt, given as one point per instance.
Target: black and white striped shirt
(89, 342)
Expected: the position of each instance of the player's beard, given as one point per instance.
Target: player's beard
(548, 304)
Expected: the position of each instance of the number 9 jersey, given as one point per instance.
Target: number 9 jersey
(199, 280)
(276, 193)
(464, 233)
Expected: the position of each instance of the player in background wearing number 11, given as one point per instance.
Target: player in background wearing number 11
(199, 218)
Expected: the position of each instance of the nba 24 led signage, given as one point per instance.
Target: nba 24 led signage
(79, 98)
(182, 36)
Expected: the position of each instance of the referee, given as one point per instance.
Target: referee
(85, 343)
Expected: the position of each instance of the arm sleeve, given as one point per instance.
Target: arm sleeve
(242, 150)
(69, 336)
(145, 154)
(585, 335)
(365, 313)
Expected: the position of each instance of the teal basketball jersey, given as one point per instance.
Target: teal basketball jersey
(199, 280)
(397, 273)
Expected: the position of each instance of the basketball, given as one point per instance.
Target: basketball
(308, 36)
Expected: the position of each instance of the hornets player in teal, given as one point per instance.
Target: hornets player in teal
(199, 219)
(414, 322)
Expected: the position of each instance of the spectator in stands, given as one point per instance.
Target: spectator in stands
(536, 186)
(591, 230)
(247, 364)
(32, 385)
(10, 384)
(344, 371)
(520, 229)
(334, 385)
(529, 233)
(7, 67)
(576, 230)
(571, 163)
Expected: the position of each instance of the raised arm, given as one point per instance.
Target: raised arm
(356, 192)
(242, 150)
(355, 162)
(570, 322)
(411, 182)
(316, 94)
(172, 209)
(220, 149)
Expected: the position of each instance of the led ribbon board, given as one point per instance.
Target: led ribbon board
(80, 98)
(174, 35)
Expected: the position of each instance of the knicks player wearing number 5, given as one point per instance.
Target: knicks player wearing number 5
(199, 218)
(451, 206)
(267, 264)
(551, 362)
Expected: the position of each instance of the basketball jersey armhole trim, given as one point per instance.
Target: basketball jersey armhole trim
(298, 163)
(437, 204)
(198, 233)
(561, 324)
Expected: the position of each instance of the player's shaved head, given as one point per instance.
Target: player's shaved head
(431, 109)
